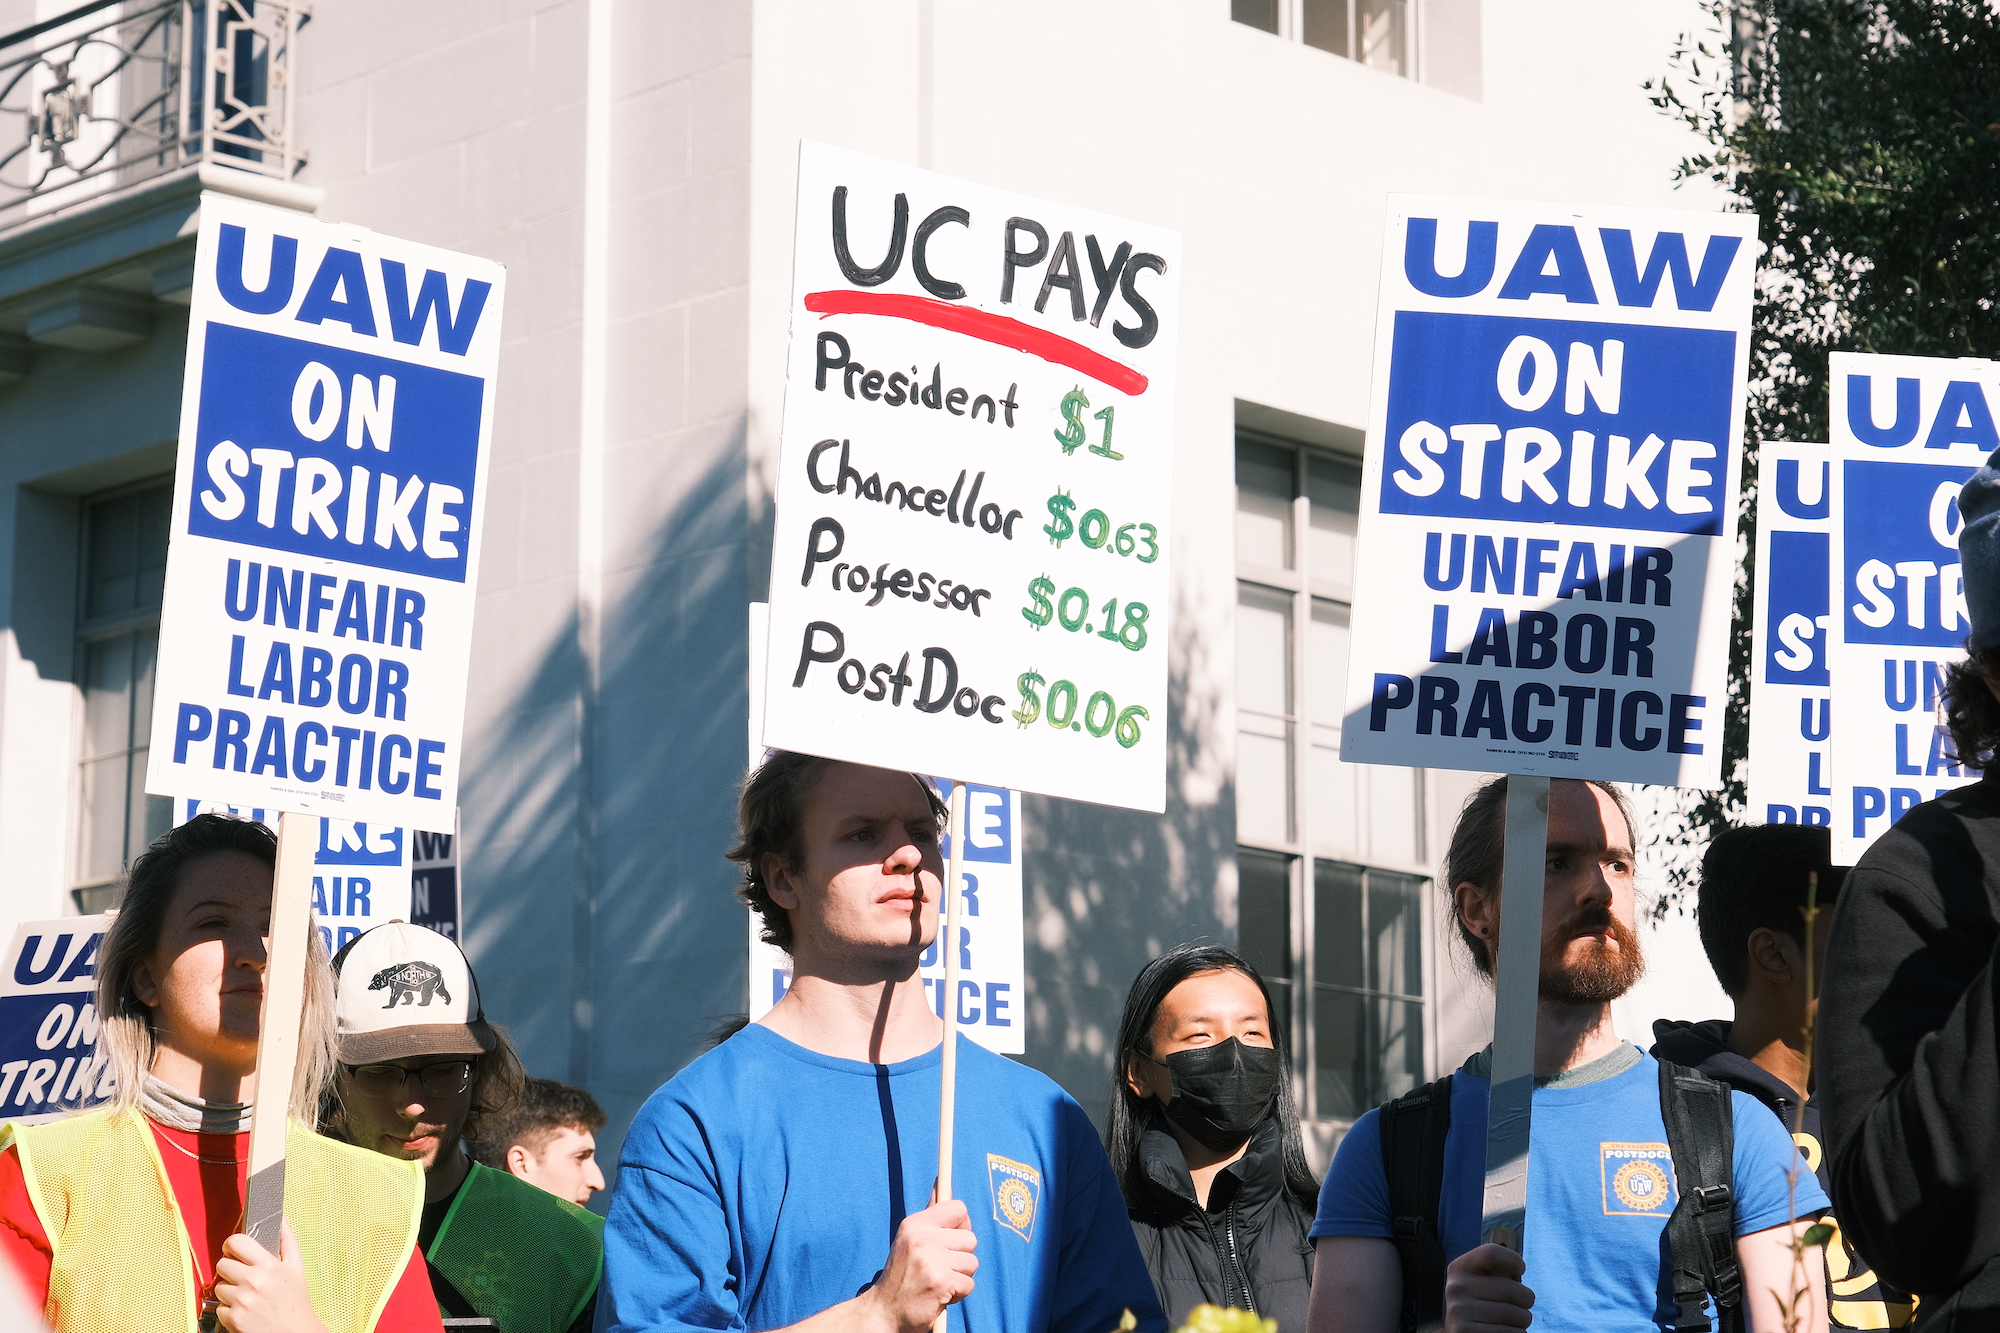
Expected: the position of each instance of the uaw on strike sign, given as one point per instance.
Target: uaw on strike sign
(334, 428)
(969, 570)
(1548, 500)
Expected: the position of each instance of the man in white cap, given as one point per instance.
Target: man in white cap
(420, 1069)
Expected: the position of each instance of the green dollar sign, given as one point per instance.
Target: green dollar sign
(1059, 506)
(1070, 437)
(1031, 705)
(1043, 610)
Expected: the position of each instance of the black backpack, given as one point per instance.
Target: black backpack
(1701, 1135)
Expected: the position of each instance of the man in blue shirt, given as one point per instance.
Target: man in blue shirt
(1601, 1182)
(784, 1179)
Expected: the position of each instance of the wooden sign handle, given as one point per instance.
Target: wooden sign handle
(1517, 987)
(287, 950)
(948, 943)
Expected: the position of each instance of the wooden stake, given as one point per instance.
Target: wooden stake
(1517, 988)
(278, 1030)
(948, 943)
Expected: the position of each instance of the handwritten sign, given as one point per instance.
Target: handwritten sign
(970, 566)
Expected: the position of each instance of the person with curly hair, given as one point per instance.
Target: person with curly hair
(1908, 1067)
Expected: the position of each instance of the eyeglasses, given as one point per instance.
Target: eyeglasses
(446, 1078)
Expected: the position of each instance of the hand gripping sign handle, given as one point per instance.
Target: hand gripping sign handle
(287, 949)
(948, 946)
(1517, 986)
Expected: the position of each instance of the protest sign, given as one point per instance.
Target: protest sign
(1548, 497)
(361, 874)
(1547, 518)
(335, 421)
(992, 975)
(1907, 433)
(48, 1019)
(434, 896)
(1791, 685)
(970, 559)
(336, 416)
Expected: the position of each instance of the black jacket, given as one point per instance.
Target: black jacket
(1908, 1056)
(1856, 1301)
(1247, 1249)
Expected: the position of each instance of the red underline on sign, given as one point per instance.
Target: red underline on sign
(998, 329)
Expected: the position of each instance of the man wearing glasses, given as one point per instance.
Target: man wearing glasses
(421, 1070)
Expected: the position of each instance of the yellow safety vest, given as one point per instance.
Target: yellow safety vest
(122, 1262)
(522, 1257)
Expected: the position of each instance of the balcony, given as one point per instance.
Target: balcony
(115, 119)
(120, 92)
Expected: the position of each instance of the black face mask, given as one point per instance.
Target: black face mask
(1222, 1092)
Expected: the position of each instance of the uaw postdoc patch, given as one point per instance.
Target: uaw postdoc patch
(1017, 1189)
(1638, 1179)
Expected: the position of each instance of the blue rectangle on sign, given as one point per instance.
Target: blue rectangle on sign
(1559, 421)
(1796, 603)
(1901, 583)
(322, 452)
(345, 842)
(989, 823)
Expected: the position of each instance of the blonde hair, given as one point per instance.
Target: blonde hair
(127, 1042)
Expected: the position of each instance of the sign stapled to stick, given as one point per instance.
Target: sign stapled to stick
(335, 424)
(970, 564)
(1548, 498)
(1907, 433)
(1791, 638)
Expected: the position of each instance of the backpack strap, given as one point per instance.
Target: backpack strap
(1701, 1233)
(1413, 1128)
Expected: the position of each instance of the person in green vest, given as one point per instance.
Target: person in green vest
(420, 1070)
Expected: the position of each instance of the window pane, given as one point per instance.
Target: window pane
(107, 696)
(1257, 13)
(127, 553)
(1264, 492)
(101, 850)
(1263, 706)
(1382, 35)
(1264, 913)
(1340, 1039)
(1395, 933)
(1392, 812)
(1334, 486)
(1326, 25)
(1326, 663)
(1264, 651)
(1398, 1063)
(1337, 943)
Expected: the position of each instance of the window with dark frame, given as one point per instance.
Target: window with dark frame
(123, 574)
(1331, 898)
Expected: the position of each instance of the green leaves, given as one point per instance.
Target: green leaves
(1816, 1235)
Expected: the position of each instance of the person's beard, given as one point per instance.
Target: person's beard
(1603, 973)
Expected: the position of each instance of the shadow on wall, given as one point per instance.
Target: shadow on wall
(616, 990)
(1109, 890)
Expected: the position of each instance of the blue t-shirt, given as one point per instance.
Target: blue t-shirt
(1600, 1188)
(765, 1183)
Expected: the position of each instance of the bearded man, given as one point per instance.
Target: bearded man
(1601, 1180)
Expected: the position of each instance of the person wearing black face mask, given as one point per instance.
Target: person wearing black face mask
(1205, 1139)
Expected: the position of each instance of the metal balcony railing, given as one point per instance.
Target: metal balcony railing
(117, 92)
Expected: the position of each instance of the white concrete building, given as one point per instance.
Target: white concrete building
(632, 163)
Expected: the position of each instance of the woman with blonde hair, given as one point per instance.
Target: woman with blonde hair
(129, 1216)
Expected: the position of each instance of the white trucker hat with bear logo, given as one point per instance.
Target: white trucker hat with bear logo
(403, 990)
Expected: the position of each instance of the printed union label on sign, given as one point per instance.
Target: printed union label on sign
(969, 569)
(1548, 498)
(335, 421)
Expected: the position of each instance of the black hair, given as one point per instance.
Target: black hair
(1758, 876)
(1479, 850)
(543, 1108)
(1131, 1115)
(1971, 713)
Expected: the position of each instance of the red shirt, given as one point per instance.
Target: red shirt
(210, 1197)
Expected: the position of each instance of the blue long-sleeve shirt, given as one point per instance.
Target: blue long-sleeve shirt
(765, 1183)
